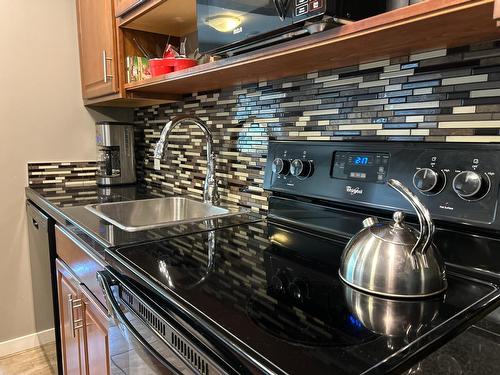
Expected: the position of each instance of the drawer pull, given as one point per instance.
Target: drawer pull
(72, 305)
(105, 60)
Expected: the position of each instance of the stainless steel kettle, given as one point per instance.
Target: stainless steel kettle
(394, 259)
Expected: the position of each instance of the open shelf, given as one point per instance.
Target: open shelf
(169, 17)
(427, 25)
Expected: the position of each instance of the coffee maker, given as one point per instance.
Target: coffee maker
(115, 153)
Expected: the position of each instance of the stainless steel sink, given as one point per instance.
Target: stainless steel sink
(133, 216)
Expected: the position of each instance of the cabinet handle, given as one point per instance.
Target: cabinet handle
(105, 60)
(72, 305)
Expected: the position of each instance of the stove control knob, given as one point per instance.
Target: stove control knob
(281, 166)
(301, 168)
(279, 282)
(471, 185)
(429, 181)
(298, 290)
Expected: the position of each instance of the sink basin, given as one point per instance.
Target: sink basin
(133, 216)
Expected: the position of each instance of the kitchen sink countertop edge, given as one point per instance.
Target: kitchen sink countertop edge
(68, 208)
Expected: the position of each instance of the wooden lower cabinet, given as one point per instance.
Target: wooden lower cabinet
(84, 327)
(95, 337)
(69, 315)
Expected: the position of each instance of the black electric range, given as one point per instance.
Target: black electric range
(265, 297)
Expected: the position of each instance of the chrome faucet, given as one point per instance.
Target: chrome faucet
(210, 190)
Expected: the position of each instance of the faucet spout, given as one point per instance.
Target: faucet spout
(210, 189)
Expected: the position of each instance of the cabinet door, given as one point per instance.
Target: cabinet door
(96, 337)
(70, 316)
(122, 7)
(97, 42)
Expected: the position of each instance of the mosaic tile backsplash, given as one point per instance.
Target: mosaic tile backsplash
(62, 174)
(446, 95)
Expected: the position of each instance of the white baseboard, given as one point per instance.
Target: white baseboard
(20, 344)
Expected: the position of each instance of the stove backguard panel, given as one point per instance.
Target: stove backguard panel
(354, 174)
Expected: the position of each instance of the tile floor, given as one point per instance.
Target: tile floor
(39, 361)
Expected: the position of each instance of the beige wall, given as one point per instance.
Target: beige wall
(42, 119)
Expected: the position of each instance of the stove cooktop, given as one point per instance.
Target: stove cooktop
(275, 293)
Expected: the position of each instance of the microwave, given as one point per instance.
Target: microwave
(231, 26)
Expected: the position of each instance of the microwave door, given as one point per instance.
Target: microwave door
(223, 23)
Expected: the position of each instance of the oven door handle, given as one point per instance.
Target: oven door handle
(106, 280)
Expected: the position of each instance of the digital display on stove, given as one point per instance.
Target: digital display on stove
(361, 160)
(369, 167)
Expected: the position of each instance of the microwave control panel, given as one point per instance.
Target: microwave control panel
(310, 10)
(305, 9)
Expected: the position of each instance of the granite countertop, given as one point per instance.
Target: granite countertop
(474, 352)
(67, 207)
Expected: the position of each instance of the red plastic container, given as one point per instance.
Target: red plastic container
(159, 67)
(183, 63)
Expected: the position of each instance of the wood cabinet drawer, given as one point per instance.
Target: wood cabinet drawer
(78, 259)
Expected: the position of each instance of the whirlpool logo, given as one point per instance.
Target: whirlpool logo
(353, 190)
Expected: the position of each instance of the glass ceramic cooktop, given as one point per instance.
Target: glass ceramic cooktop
(278, 291)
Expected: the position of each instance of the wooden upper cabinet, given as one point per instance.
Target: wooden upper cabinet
(123, 7)
(98, 52)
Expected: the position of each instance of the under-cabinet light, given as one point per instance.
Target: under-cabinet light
(223, 23)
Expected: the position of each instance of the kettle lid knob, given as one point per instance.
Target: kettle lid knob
(399, 218)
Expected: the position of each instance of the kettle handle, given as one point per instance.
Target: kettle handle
(423, 214)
